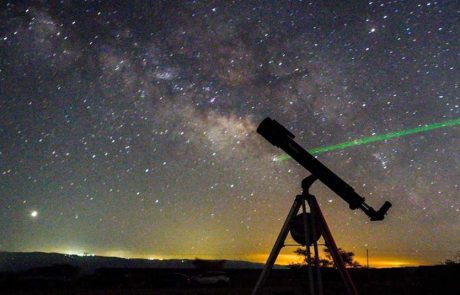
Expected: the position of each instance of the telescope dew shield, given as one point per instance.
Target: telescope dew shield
(279, 136)
(274, 132)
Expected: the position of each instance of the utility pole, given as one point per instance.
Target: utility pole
(367, 257)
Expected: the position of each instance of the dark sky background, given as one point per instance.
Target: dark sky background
(129, 129)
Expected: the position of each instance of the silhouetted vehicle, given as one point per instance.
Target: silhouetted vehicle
(211, 278)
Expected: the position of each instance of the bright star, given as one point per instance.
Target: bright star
(34, 213)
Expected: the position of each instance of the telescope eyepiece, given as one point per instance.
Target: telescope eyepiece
(380, 215)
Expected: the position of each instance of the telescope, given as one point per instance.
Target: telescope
(279, 136)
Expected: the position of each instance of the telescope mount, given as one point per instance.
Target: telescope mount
(310, 234)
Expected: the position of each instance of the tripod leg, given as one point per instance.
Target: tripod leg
(350, 286)
(307, 248)
(278, 245)
(315, 247)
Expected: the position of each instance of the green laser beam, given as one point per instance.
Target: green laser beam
(375, 138)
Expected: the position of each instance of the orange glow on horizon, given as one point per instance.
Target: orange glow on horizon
(376, 262)
(284, 259)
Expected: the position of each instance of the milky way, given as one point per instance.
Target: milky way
(129, 129)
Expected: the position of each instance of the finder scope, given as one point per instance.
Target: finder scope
(279, 136)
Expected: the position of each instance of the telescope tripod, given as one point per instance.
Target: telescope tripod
(308, 227)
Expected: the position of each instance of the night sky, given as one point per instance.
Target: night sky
(130, 129)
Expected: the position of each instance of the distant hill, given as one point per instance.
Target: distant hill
(20, 261)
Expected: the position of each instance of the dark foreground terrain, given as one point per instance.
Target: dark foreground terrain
(66, 279)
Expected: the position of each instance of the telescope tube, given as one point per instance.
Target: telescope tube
(279, 136)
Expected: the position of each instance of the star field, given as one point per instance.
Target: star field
(129, 129)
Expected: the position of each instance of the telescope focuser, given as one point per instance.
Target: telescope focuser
(380, 214)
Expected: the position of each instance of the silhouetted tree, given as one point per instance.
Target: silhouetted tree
(347, 257)
(323, 261)
(454, 261)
